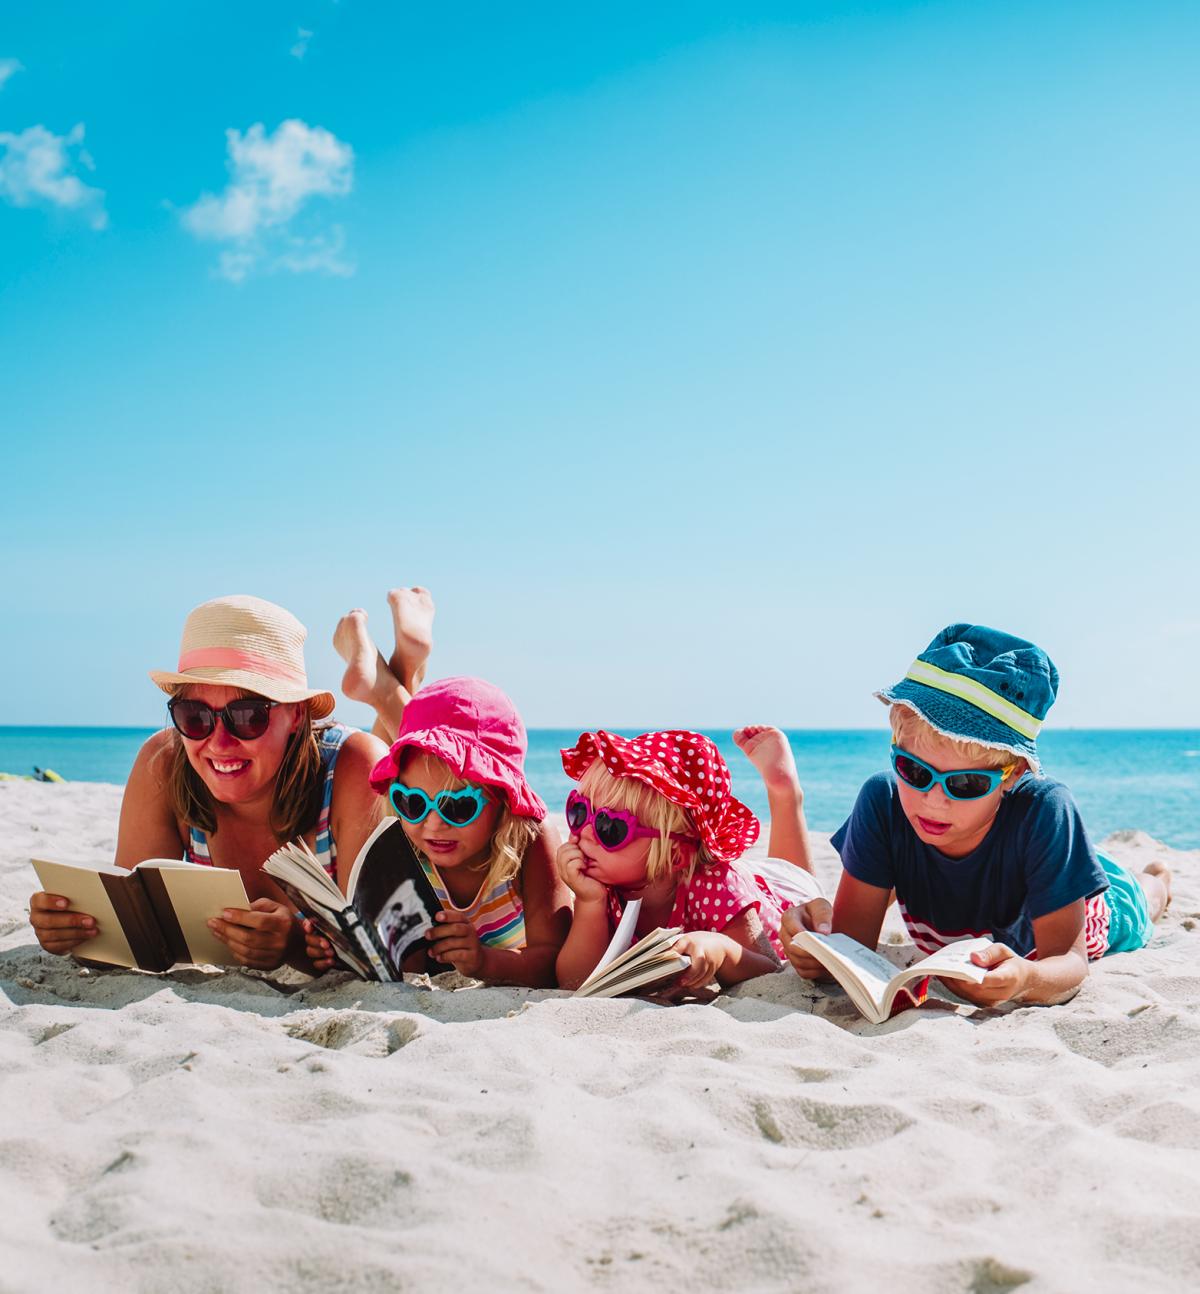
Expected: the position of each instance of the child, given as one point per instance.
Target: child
(974, 840)
(455, 777)
(654, 819)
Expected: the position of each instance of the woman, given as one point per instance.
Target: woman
(245, 767)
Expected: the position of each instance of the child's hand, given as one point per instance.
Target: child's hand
(317, 948)
(707, 949)
(456, 943)
(570, 863)
(816, 914)
(257, 936)
(1007, 977)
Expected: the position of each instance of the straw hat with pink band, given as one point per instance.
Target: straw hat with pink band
(475, 730)
(247, 643)
(683, 767)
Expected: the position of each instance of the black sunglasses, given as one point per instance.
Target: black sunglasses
(247, 718)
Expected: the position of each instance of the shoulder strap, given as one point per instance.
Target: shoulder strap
(330, 741)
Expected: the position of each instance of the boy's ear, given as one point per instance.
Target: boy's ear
(1019, 771)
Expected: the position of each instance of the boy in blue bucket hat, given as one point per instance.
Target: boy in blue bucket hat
(974, 840)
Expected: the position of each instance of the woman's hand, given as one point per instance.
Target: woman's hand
(58, 927)
(258, 936)
(317, 948)
(456, 943)
(816, 914)
(571, 863)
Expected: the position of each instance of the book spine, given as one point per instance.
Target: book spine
(136, 916)
(164, 910)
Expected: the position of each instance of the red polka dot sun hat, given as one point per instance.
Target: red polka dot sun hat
(683, 767)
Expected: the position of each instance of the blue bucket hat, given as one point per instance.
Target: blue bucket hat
(978, 684)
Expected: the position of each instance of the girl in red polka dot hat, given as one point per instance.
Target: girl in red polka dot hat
(653, 818)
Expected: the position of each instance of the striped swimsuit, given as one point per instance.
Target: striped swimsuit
(1097, 918)
(329, 742)
(497, 916)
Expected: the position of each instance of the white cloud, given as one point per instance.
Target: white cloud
(300, 48)
(9, 67)
(272, 180)
(35, 168)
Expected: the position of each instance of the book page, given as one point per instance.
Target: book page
(296, 864)
(953, 961)
(622, 937)
(655, 944)
(197, 894)
(637, 974)
(862, 972)
(173, 862)
(83, 885)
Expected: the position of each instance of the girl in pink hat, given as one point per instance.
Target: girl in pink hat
(455, 777)
(654, 819)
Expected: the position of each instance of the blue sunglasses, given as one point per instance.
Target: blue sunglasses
(958, 784)
(455, 808)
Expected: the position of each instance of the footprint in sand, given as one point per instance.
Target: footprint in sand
(354, 1031)
(1154, 1031)
(822, 1125)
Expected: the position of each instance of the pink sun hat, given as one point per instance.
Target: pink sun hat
(473, 728)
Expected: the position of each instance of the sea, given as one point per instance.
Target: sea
(1121, 778)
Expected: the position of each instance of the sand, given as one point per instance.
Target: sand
(225, 1130)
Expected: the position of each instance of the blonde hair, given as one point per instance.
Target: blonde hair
(513, 834)
(908, 727)
(653, 810)
(295, 802)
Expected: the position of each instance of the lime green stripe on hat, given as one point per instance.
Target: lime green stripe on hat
(976, 694)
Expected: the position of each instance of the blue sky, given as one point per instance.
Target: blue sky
(703, 359)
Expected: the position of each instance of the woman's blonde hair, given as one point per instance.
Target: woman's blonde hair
(908, 727)
(653, 810)
(513, 834)
(295, 803)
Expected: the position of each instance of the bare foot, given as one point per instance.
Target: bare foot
(412, 616)
(1155, 879)
(364, 664)
(768, 750)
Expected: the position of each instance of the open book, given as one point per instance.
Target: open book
(387, 913)
(624, 967)
(874, 985)
(152, 917)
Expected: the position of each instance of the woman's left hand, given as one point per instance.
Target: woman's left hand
(258, 936)
(706, 948)
(456, 943)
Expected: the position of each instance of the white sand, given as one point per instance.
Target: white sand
(215, 1131)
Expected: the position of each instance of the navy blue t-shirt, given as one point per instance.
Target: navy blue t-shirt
(1035, 859)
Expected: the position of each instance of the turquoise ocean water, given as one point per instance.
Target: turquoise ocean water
(1121, 778)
